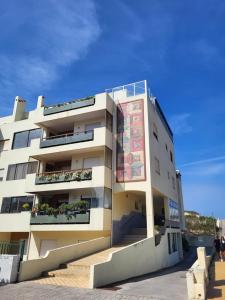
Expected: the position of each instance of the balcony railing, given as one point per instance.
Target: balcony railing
(68, 138)
(71, 217)
(63, 176)
(84, 102)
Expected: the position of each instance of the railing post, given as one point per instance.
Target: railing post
(21, 249)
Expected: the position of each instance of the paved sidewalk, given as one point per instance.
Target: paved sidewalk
(216, 288)
(168, 284)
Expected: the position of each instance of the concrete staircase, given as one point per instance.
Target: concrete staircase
(77, 273)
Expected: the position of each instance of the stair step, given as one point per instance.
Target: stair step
(68, 273)
(139, 230)
(74, 266)
(133, 236)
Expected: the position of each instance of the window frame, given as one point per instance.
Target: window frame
(28, 140)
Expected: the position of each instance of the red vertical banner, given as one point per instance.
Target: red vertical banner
(130, 142)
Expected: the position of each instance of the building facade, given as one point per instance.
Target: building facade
(101, 166)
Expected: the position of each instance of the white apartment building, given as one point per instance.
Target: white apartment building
(87, 172)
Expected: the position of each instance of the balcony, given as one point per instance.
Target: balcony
(72, 217)
(49, 110)
(62, 147)
(98, 176)
(65, 139)
(63, 176)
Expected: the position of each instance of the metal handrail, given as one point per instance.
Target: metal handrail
(63, 171)
(65, 135)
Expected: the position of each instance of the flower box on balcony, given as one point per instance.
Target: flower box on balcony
(73, 218)
(64, 176)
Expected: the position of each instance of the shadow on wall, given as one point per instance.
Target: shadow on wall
(126, 224)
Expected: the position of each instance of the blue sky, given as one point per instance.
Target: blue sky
(70, 49)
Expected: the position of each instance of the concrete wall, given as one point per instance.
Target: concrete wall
(8, 268)
(33, 268)
(134, 260)
(8, 221)
(197, 276)
(61, 239)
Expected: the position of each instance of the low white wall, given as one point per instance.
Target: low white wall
(33, 268)
(9, 268)
(134, 260)
(16, 222)
(197, 276)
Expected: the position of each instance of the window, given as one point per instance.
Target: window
(155, 131)
(15, 204)
(108, 158)
(107, 198)
(1, 174)
(174, 242)
(173, 211)
(173, 182)
(172, 247)
(169, 244)
(23, 139)
(168, 175)
(166, 147)
(157, 165)
(19, 171)
(109, 121)
(171, 156)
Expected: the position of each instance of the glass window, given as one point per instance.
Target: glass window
(157, 165)
(109, 121)
(21, 171)
(6, 203)
(169, 244)
(171, 156)
(15, 204)
(11, 172)
(32, 167)
(23, 139)
(108, 158)
(107, 198)
(174, 242)
(155, 131)
(34, 134)
(20, 139)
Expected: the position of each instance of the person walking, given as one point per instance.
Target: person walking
(217, 247)
(222, 248)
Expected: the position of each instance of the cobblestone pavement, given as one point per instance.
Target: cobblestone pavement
(168, 284)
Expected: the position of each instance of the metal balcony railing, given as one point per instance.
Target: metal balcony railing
(63, 176)
(68, 138)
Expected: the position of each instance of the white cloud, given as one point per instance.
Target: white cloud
(54, 34)
(180, 123)
(203, 161)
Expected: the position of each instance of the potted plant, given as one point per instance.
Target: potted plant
(44, 208)
(26, 206)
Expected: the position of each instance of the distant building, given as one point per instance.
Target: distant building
(191, 213)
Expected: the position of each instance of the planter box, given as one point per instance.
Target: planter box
(76, 138)
(69, 106)
(61, 219)
(61, 178)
